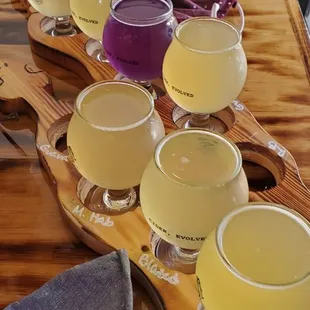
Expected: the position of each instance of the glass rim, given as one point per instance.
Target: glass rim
(201, 51)
(141, 22)
(248, 207)
(87, 90)
(179, 132)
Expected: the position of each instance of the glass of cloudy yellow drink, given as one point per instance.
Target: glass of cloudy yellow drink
(204, 68)
(257, 258)
(194, 179)
(91, 16)
(60, 11)
(111, 138)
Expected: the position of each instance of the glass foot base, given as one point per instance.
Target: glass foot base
(155, 91)
(55, 33)
(48, 26)
(95, 50)
(101, 200)
(168, 255)
(182, 119)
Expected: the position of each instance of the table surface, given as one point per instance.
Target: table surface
(35, 244)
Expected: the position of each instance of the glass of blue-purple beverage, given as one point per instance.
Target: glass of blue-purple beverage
(136, 38)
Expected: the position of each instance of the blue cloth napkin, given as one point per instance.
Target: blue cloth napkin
(103, 283)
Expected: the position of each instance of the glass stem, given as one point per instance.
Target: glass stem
(199, 120)
(184, 259)
(119, 200)
(118, 194)
(186, 254)
(148, 86)
(101, 55)
(63, 25)
(143, 83)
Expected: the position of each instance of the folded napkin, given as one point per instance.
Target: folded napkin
(103, 283)
(184, 9)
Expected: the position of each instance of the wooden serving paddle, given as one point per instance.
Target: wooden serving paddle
(168, 288)
(102, 233)
(69, 52)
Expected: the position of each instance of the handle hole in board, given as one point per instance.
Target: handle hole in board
(264, 170)
(61, 144)
(57, 134)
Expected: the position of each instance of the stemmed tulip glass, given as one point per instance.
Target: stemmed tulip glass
(192, 181)
(111, 138)
(257, 258)
(204, 68)
(136, 37)
(91, 16)
(60, 11)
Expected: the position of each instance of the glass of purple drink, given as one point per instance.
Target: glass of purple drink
(136, 38)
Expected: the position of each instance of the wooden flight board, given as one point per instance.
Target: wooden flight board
(68, 52)
(168, 288)
(23, 87)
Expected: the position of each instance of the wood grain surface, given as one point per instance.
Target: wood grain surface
(301, 31)
(35, 244)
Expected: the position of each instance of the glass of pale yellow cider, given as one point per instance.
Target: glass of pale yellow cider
(60, 11)
(91, 16)
(111, 137)
(204, 68)
(192, 181)
(258, 258)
